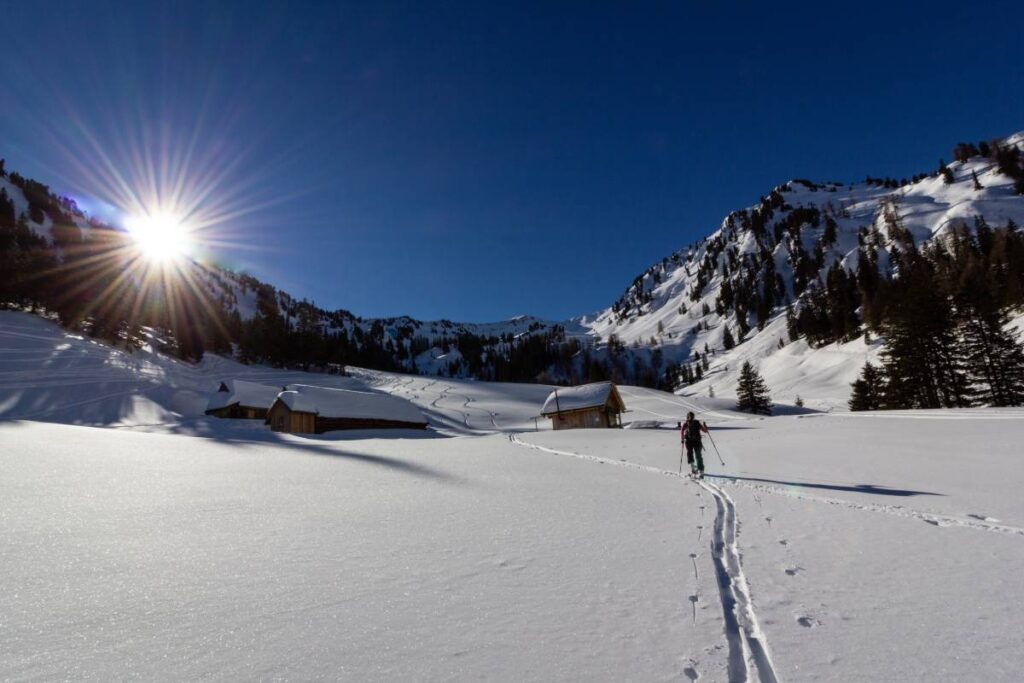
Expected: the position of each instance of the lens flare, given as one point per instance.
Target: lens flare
(160, 236)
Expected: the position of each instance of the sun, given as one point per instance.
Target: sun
(160, 236)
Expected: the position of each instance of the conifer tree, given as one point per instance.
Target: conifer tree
(752, 392)
(920, 361)
(947, 175)
(791, 325)
(995, 359)
(867, 390)
(727, 339)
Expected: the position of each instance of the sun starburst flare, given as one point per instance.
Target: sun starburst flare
(160, 236)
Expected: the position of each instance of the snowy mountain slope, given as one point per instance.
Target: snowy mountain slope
(51, 375)
(777, 248)
(222, 307)
(731, 287)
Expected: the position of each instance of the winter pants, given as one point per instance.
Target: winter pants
(694, 454)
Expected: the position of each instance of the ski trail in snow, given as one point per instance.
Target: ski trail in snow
(743, 632)
(678, 403)
(934, 518)
(593, 458)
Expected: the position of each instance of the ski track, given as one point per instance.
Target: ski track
(746, 641)
(467, 414)
(934, 518)
(678, 403)
(747, 644)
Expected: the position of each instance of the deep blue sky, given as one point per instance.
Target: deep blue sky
(479, 160)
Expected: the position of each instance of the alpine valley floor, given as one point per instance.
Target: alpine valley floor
(143, 540)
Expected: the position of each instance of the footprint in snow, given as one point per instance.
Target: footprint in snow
(691, 673)
(793, 571)
(808, 622)
(983, 518)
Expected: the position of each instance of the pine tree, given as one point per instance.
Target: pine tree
(791, 325)
(921, 367)
(995, 359)
(752, 392)
(947, 175)
(867, 390)
(727, 340)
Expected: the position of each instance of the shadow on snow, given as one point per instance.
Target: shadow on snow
(857, 488)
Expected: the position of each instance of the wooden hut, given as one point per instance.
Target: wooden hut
(586, 406)
(302, 409)
(236, 399)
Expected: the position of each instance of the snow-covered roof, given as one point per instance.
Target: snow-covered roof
(565, 399)
(346, 403)
(243, 393)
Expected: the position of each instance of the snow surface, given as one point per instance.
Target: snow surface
(159, 543)
(244, 393)
(330, 403)
(575, 398)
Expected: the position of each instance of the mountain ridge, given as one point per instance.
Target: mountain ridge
(723, 292)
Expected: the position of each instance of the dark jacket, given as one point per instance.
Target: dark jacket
(691, 431)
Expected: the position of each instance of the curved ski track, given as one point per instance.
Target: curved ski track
(748, 647)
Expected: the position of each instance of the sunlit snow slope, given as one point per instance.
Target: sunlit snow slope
(664, 308)
(166, 545)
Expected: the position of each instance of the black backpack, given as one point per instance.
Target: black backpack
(693, 431)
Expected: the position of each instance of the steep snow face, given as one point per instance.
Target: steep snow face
(773, 251)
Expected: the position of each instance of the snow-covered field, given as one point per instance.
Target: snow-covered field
(144, 540)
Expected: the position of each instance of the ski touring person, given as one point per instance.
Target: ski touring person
(689, 434)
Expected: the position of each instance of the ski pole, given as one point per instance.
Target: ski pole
(716, 450)
(680, 458)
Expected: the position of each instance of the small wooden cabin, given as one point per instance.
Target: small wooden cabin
(301, 409)
(585, 407)
(239, 400)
